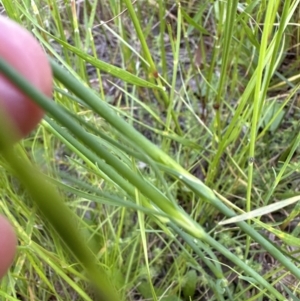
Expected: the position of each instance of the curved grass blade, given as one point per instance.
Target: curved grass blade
(54, 209)
(175, 213)
(261, 211)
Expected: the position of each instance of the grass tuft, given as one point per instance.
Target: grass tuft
(169, 154)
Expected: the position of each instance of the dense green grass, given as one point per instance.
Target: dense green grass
(214, 89)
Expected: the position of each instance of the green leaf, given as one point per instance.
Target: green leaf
(261, 211)
(111, 69)
(189, 288)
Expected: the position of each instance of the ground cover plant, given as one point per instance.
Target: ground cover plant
(168, 160)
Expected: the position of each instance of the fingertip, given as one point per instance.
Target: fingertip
(8, 245)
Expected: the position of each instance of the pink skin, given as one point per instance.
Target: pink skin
(8, 243)
(21, 50)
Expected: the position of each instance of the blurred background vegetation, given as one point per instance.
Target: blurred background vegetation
(215, 86)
